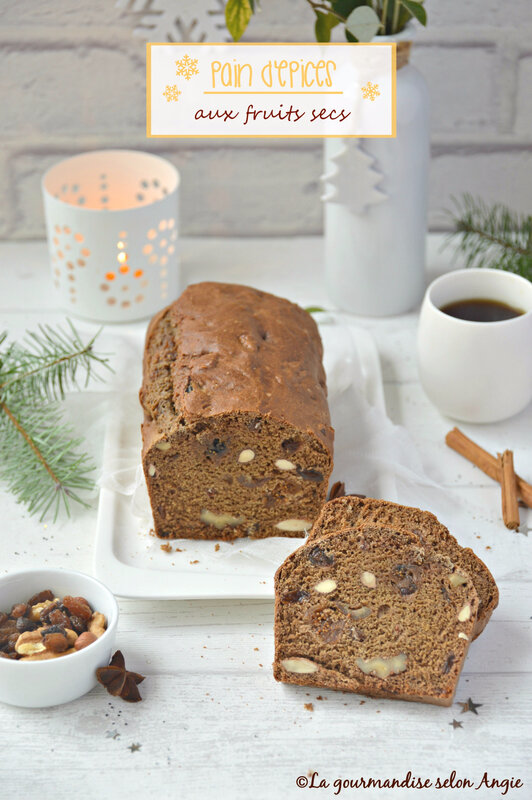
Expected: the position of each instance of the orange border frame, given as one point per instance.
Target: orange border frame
(151, 135)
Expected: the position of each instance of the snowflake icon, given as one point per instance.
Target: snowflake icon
(187, 67)
(370, 91)
(172, 94)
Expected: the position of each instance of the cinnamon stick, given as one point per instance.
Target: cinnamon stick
(510, 509)
(467, 448)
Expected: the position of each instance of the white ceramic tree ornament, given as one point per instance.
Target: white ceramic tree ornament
(354, 179)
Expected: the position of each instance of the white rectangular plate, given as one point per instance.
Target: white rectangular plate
(130, 561)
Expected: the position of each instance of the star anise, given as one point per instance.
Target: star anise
(119, 681)
(469, 705)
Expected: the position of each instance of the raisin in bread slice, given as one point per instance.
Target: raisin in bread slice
(350, 511)
(371, 611)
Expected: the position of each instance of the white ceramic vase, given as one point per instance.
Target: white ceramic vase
(376, 207)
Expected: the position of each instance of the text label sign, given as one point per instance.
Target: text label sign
(271, 90)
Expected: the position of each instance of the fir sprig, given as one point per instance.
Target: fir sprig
(48, 362)
(40, 458)
(492, 236)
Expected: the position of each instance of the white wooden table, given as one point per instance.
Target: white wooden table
(213, 722)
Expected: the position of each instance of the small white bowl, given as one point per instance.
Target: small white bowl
(38, 684)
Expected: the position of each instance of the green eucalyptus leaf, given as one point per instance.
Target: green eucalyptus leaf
(416, 10)
(324, 25)
(314, 309)
(363, 23)
(237, 16)
(345, 7)
(404, 17)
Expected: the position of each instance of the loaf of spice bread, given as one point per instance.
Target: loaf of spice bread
(352, 511)
(237, 439)
(372, 611)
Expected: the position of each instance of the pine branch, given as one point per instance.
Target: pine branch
(40, 462)
(492, 236)
(39, 456)
(29, 441)
(49, 362)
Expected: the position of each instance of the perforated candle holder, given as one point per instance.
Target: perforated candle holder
(111, 218)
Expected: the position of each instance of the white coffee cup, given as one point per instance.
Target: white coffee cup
(476, 371)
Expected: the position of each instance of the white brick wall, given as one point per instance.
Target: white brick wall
(461, 80)
(72, 79)
(523, 106)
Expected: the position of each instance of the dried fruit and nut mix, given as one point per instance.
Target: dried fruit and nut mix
(46, 627)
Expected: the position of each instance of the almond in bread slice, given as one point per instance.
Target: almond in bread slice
(372, 611)
(350, 512)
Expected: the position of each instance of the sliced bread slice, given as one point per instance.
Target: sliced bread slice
(350, 512)
(371, 611)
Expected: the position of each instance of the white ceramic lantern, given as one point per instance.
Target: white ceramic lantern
(111, 218)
